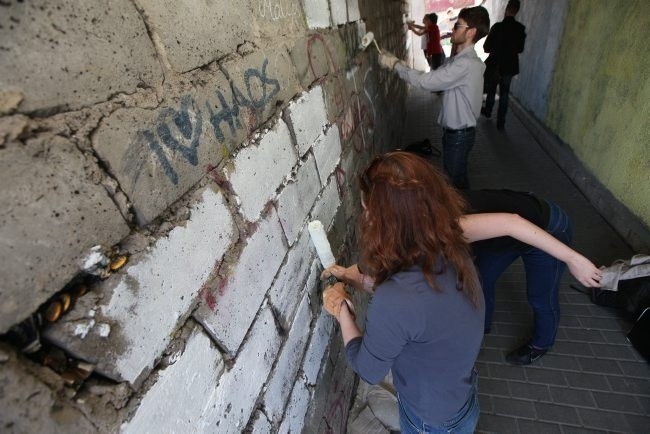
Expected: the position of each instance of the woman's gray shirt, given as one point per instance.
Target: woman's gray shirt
(429, 338)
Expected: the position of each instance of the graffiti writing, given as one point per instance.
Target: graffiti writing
(277, 9)
(255, 101)
(355, 113)
(317, 40)
(186, 143)
(336, 415)
(177, 132)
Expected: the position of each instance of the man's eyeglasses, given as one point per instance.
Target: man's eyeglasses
(458, 26)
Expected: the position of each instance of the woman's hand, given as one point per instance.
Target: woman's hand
(584, 270)
(334, 297)
(351, 276)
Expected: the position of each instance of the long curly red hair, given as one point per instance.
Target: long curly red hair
(411, 217)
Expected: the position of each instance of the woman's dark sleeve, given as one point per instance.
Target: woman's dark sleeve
(372, 355)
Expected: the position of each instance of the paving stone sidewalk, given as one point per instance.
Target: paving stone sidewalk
(592, 380)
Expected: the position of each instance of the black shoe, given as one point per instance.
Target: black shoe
(501, 125)
(486, 113)
(525, 355)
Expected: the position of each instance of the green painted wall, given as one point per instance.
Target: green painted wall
(599, 100)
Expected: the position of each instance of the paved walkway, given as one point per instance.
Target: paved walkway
(592, 380)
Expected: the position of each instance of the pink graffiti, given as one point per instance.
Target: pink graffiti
(441, 5)
(337, 411)
(205, 294)
(339, 175)
(209, 299)
(331, 66)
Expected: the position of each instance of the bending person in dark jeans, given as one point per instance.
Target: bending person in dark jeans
(543, 271)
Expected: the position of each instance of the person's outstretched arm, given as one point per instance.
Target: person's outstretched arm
(418, 31)
(478, 227)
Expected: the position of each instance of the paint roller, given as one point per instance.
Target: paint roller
(368, 39)
(323, 249)
(319, 238)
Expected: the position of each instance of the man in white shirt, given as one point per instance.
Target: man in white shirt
(461, 80)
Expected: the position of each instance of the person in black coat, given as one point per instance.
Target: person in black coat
(504, 43)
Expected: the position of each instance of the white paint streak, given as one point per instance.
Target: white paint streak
(82, 329)
(104, 330)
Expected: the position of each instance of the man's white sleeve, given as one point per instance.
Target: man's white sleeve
(448, 76)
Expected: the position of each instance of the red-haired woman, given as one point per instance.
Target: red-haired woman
(425, 318)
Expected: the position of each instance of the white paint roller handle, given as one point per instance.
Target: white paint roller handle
(319, 238)
(368, 39)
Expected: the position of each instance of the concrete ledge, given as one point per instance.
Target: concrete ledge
(627, 224)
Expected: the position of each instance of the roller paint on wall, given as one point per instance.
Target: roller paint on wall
(368, 39)
(319, 238)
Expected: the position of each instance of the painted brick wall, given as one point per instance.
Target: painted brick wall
(197, 142)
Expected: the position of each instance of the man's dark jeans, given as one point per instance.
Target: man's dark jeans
(504, 94)
(456, 145)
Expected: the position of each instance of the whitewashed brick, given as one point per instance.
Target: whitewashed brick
(327, 150)
(317, 13)
(317, 346)
(238, 300)
(327, 204)
(353, 11)
(261, 425)
(192, 379)
(308, 118)
(284, 375)
(260, 169)
(232, 403)
(156, 292)
(339, 9)
(297, 199)
(294, 417)
(284, 294)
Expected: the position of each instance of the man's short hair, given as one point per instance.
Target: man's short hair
(513, 6)
(478, 18)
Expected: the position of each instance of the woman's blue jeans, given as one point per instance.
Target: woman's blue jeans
(463, 422)
(543, 274)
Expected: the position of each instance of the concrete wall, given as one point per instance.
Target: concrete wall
(600, 98)
(544, 23)
(198, 141)
(583, 77)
